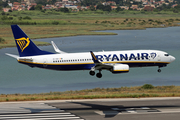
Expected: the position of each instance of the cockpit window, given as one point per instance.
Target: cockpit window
(166, 54)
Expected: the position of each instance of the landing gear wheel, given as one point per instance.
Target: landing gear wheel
(159, 70)
(92, 73)
(99, 75)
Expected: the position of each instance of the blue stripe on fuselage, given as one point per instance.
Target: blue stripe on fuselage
(84, 66)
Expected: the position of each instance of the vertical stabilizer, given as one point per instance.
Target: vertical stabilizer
(24, 44)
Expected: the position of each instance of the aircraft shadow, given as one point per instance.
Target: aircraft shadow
(106, 109)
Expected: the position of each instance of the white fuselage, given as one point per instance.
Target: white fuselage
(83, 61)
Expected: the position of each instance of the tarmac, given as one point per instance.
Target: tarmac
(165, 108)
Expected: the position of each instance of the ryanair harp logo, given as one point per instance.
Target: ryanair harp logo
(23, 43)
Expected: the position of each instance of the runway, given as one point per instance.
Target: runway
(94, 109)
(33, 111)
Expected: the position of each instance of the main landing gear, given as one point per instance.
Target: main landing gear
(98, 75)
(92, 73)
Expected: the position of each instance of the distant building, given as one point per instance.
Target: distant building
(137, 0)
(65, 1)
(48, 7)
(124, 7)
(16, 3)
(6, 9)
(174, 5)
(59, 4)
(148, 8)
(134, 7)
(113, 7)
(109, 3)
(33, 4)
(71, 7)
(10, 4)
(171, 1)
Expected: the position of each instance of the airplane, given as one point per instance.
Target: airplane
(113, 61)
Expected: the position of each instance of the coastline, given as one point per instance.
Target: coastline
(64, 25)
(40, 43)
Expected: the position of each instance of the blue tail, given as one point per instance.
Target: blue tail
(24, 44)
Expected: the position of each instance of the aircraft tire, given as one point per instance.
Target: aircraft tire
(99, 75)
(92, 73)
(159, 70)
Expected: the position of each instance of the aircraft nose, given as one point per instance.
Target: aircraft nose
(172, 58)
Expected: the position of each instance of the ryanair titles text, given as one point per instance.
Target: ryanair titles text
(121, 57)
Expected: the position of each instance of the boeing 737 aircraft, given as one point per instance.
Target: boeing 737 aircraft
(114, 61)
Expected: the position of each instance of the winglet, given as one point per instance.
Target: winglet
(94, 57)
(56, 48)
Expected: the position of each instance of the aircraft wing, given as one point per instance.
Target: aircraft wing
(99, 65)
(114, 68)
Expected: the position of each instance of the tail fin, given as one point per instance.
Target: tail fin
(24, 44)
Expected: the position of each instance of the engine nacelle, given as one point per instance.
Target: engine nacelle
(120, 68)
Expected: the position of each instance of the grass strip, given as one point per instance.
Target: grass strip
(122, 92)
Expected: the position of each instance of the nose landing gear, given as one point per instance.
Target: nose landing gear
(159, 70)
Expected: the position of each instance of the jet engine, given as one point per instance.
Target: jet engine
(120, 68)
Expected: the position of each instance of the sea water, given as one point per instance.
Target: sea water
(19, 78)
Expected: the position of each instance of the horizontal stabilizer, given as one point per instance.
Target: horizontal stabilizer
(11, 55)
(56, 48)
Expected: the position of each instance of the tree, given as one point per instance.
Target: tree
(32, 8)
(100, 7)
(3, 13)
(92, 8)
(175, 11)
(90, 2)
(4, 4)
(38, 7)
(119, 9)
(120, 2)
(65, 10)
(2, 40)
(156, 10)
(140, 6)
(147, 86)
(177, 7)
(42, 2)
(1, 8)
(52, 2)
(104, 8)
(107, 8)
